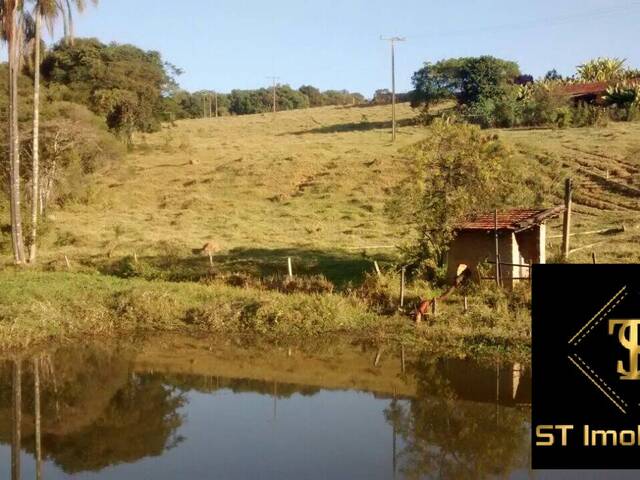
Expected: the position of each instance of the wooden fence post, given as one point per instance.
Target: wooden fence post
(566, 224)
(377, 267)
(290, 265)
(434, 307)
(378, 356)
(593, 257)
(466, 304)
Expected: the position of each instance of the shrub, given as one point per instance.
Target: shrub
(376, 294)
(310, 284)
(587, 115)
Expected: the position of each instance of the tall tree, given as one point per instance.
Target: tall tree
(455, 172)
(47, 11)
(12, 21)
(67, 7)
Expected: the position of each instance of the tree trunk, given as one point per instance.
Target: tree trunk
(35, 181)
(14, 140)
(36, 403)
(16, 430)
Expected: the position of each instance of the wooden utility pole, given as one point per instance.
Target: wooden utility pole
(566, 224)
(392, 41)
(275, 100)
(215, 96)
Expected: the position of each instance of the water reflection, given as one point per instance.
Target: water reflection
(242, 411)
(447, 437)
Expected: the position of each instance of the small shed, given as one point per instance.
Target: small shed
(521, 243)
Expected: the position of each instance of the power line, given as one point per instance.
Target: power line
(392, 41)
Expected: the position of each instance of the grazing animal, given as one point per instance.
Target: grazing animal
(208, 249)
(424, 306)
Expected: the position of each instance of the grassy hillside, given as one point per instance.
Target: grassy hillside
(311, 184)
(307, 184)
(605, 166)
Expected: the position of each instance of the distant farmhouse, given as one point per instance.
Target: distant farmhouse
(590, 92)
(521, 242)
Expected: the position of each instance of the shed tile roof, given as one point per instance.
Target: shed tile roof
(581, 89)
(514, 219)
(591, 88)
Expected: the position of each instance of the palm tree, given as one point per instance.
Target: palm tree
(11, 17)
(45, 10)
(67, 7)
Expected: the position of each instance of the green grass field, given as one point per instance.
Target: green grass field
(311, 184)
(308, 184)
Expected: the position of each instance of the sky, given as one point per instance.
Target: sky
(226, 44)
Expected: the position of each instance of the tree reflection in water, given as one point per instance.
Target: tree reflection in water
(95, 413)
(445, 436)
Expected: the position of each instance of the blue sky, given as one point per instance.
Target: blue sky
(225, 44)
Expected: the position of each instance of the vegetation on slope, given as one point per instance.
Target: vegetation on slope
(310, 185)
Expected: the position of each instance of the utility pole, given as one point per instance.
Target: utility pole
(392, 41)
(275, 104)
(215, 96)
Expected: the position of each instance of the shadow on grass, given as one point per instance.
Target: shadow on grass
(339, 267)
(362, 126)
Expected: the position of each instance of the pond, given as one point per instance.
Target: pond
(192, 408)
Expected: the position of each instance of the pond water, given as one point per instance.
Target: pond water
(176, 408)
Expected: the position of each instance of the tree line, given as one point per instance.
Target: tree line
(181, 104)
(493, 92)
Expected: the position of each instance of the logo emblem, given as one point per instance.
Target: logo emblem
(628, 336)
(585, 358)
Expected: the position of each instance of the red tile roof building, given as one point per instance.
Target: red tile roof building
(521, 243)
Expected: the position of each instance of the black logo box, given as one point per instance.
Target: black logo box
(575, 361)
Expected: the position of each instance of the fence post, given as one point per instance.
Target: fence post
(290, 265)
(593, 257)
(378, 356)
(377, 267)
(434, 307)
(466, 304)
(566, 223)
(66, 260)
